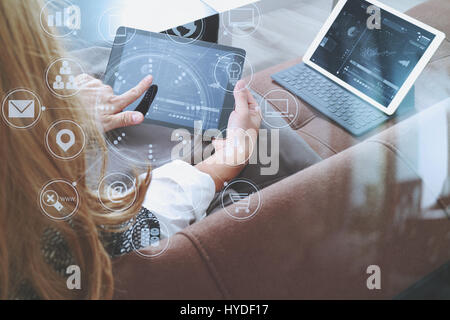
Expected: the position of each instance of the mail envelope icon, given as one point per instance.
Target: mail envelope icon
(21, 108)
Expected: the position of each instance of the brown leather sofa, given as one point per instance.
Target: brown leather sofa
(383, 199)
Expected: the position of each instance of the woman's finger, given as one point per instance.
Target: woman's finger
(241, 98)
(82, 79)
(124, 100)
(252, 103)
(124, 119)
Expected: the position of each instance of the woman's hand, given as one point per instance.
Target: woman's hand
(243, 128)
(231, 154)
(108, 106)
(246, 114)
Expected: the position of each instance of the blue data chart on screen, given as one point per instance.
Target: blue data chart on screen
(191, 79)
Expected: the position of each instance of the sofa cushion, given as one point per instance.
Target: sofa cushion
(178, 273)
(318, 231)
(423, 143)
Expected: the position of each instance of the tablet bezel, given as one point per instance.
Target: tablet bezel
(409, 82)
(116, 58)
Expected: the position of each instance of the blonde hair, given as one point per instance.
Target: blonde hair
(26, 166)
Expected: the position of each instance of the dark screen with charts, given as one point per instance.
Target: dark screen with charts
(375, 61)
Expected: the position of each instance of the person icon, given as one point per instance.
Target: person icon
(58, 84)
(71, 85)
(65, 69)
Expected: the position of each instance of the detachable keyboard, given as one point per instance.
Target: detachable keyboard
(340, 105)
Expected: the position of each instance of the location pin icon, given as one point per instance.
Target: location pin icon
(65, 145)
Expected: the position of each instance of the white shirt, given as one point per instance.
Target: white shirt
(179, 195)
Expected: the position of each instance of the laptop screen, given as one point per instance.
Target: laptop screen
(376, 60)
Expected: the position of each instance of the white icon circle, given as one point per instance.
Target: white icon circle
(236, 147)
(67, 70)
(108, 27)
(66, 146)
(284, 100)
(68, 17)
(227, 68)
(22, 108)
(242, 201)
(192, 29)
(149, 238)
(120, 185)
(50, 200)
(115, 190)
(234, 70)
(242, 19)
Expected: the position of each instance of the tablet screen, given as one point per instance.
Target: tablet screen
(376, 62)
(195, 80)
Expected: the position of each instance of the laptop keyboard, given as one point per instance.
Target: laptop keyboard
(350, 112)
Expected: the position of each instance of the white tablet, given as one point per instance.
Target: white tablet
(373, 51)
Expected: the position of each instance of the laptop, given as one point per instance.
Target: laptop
(362, 65)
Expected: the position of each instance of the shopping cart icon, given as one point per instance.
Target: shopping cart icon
(241, 200)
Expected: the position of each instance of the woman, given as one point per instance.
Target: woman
(35, 250)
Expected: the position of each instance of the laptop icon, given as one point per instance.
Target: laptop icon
(282, 105)
(242, 18)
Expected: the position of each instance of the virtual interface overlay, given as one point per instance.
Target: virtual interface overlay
(376, 62)
(192, 80)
